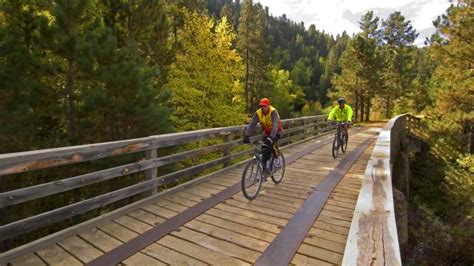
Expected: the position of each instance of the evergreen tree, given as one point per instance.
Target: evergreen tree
(453, 81)
(67, 39)
(398, 37)
(331, 66)
(30, 110)
(360, 66)
(133, 54)
(251, 46)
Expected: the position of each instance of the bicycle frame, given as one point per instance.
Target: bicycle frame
(340, 139)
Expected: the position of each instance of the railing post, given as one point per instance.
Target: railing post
(304, 129)
(151, 173)
(226, 152)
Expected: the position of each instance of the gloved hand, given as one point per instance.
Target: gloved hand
(246, 139)
(269, 141)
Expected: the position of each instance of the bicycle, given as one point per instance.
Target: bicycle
(255, 173)
(340, 139)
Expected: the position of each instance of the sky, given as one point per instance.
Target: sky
(335, 16)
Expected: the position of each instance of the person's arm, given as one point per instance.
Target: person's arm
(250, 127)
(275, 120)
(332, 114)
(349, 113)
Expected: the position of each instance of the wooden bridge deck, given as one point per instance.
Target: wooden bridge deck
(235, 231)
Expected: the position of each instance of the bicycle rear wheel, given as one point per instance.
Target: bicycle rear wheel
(278, 168)
(252, 179)
(335, 146)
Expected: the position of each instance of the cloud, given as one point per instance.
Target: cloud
(337, 16)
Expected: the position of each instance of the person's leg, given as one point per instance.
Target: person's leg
(275, 145)
(266, 153)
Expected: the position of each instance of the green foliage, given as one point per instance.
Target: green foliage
(283, 92)
(30, 112)
(441, 221)
(453, 81)
(204, 80)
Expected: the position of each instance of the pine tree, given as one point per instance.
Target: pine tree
(398, 37)
(132, 52)
(452, 46)
(66, 38)
(251, 46)
(360, 66)
(30, 112)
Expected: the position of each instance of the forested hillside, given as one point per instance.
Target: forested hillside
(81, 71)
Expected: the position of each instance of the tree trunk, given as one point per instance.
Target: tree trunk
(71, 103)
(362, 108)
(367, 110)
(247, 106)
(356, 107)
(387, 106)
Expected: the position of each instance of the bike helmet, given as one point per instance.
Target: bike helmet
(341, 101)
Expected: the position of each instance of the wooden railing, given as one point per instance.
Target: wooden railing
(373, 238)
(217, 147)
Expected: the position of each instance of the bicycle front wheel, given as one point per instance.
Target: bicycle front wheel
(345, 137)
(278, 168)
(335, 146)
(252, 179)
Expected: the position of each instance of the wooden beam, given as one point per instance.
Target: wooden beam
(373, 235)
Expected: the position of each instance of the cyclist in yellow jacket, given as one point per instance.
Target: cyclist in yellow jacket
(270, 122)
(341, 113)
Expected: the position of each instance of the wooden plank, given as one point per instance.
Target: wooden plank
(170, 256)
(55, 255)
(283, 248)
(299, 259)
(316, 232)
(331, 227)
(251, 207)
(163, 212)
(338, 209)
(261, 226)
(268, 198)
(149, 217)
(229, 236)
(325, 243)
(334, 221)
(320, 253)
(199, 252)
(237, 227)
(340, 204)
(80, 249)
(337, 215)
(27, 260)
(220, 246)
(154, 250)
(254, 215)
(105, 243)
